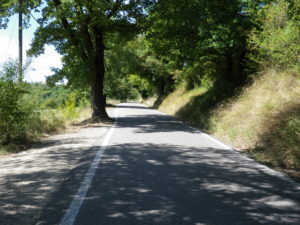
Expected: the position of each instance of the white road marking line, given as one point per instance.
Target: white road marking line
(262, 167)
(217, 141)
(199, 131)
(74, 207)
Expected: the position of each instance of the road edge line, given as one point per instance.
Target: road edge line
(262, 167)
(75, 205)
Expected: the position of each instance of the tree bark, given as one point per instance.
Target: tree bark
(97, 82)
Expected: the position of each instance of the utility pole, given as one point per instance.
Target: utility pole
(20, 78)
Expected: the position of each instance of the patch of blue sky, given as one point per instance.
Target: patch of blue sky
(40, 66)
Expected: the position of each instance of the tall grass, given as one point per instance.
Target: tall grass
(179, 99)
(45, 122)
(265, 119)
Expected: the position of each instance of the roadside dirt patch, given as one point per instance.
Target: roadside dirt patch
(28, 179)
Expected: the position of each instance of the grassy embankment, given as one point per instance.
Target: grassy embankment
(50, 121)
(43, 123)
(263, 120)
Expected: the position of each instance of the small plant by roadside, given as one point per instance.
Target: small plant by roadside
(14, 113)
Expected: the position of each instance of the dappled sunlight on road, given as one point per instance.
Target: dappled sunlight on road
(155, 170)
(28, 179)
(171, 184)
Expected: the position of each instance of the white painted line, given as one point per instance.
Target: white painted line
(217, 141)
(197, 130)
(70, 216)
(260, 166)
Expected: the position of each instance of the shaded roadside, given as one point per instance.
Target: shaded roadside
(28, 179)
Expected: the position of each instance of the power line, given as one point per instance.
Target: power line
(35, 19)
(20, 41)
(31, 15)
(9, 43)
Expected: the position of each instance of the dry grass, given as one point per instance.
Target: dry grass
(265, 118)
(112, 102)
(179, 99)
(44, 123)
(150, 101)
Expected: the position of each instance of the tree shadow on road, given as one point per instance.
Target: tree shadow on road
(168, 184)
(153, 123)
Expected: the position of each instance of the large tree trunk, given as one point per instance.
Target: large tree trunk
(97, 83)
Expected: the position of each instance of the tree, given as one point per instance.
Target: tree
(275, 41)
(130, 65)
(78, 29)
(203, 37)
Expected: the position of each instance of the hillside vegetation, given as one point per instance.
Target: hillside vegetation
(263, 119)
(28, 111)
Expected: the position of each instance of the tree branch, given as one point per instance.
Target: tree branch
(68, 29)
(115, 8)
(123, 28)
(84, 31)
(64, 20)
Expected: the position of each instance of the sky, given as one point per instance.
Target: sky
(40, 66)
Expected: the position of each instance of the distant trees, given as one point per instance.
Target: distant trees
(135, 69)
(43, 97)
(205, 39)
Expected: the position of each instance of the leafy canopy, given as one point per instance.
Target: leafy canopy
(77, 27)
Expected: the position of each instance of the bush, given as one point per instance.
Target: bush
(50, 103)
(277, 41)
(69, 108)
(14, 113)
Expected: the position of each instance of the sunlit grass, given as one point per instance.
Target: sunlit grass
(178, 99)
(46, 122)
(42, 123)
(264, 119)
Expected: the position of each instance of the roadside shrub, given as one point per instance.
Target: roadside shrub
(50, 103)
(14, 113)
(276, 43)
(69, 109)
(264, 119)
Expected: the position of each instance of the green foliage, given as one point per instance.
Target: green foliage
(294, 10)
(148, 65)
(144, 87)
(10, 7)
(29, 110)
(44, 97)
(50, 103)
(276, 43)
(69, 107)
(204, 39)
(134, 70)
(14, 113)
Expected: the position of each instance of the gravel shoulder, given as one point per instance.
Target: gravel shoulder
(28, 179)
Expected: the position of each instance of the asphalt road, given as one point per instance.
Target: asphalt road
(157, 170)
